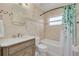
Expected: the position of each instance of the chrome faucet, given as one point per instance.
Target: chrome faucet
(19, 35)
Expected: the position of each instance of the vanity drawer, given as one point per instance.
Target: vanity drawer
(20, 46)
(20, 53)
(24, 52)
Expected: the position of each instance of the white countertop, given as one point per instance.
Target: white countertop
(12, 41)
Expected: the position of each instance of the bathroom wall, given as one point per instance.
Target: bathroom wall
(77, 19)
(53, 32)
(35, 25)
(33, 22)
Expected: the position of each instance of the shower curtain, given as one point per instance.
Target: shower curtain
(69, 22)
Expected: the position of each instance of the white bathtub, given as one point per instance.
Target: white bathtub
(54, 47)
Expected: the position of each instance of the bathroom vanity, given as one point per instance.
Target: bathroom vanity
(18, 47)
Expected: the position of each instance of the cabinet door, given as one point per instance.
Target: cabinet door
(28, 51)
(0, 51)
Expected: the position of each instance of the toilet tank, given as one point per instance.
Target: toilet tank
(37, 40)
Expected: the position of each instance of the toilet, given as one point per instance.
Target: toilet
(41, 49)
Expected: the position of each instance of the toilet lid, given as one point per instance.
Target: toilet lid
(42, 46)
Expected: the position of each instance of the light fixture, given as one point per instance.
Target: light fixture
(24, 4)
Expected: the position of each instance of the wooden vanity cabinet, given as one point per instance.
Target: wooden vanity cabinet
(26, 48)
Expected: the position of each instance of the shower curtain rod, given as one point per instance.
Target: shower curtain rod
(52, 9)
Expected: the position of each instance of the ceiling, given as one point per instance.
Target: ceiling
(48, 6)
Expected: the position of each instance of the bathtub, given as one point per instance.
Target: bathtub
(54, 47)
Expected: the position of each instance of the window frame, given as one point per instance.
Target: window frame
(51, 23)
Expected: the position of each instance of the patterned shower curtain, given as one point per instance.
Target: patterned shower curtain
(69, 21)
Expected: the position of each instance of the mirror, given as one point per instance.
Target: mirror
(18, 17)
(1, 27)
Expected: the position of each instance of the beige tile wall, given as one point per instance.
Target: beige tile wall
(77, 18)
(33, 22)
(53, 32)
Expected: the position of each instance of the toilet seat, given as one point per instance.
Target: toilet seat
(42, 49)
(42, 46)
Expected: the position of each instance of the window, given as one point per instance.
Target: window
(55, 20)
